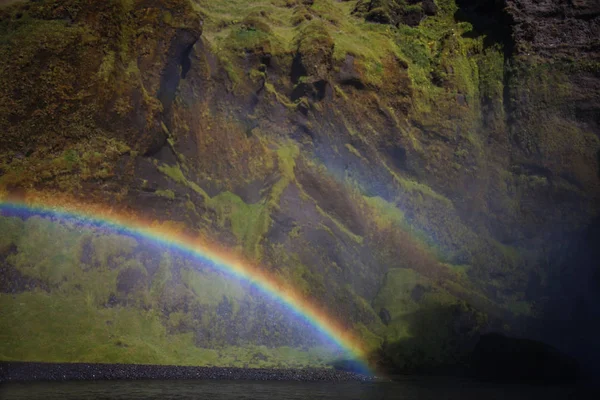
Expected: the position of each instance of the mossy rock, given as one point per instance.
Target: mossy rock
(314, 51)
(394, 12)
(70, 71)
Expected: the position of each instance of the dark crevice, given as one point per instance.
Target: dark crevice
(397, 155)
(186, 62)
(488, 18)
(354, 82)
(321, 89)
(177, 67)
(532, 169)
(298, 69)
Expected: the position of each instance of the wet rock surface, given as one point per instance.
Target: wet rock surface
(27, 372)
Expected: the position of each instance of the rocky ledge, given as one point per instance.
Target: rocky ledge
(30, 371)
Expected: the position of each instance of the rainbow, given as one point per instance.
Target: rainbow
(129, 223)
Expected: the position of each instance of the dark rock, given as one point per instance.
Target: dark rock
(501, 358)
(556, 27)
(412, 16)
(313, 89)
(385, 316)
(398, 157)
(417, 293)
(250, 193)
(166, 155)
(440, 341)
(331, 197)
(13, 281)
(489, 17)
(130, 279)
(314, 54)
(379, 15)
(429, 7)
(348, 74)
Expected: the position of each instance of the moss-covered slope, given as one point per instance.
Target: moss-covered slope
(402, 163)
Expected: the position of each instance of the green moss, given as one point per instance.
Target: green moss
(280, 98)
(234, 73)
(292, 271)
(190, 206)
(68, 168)
(174, 172)
(53, 328)
(370, 340)
(210, 287)
(46, 251)
(341, 226)
(249, 222)
(153, 324)
(168, 194)
(396, 293)
(491, 73)
(108, 248)
(385, 212)
(286, 162)
(251, 37)
(162, 276)
(107, 67)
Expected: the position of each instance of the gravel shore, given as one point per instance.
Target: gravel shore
(30, 371)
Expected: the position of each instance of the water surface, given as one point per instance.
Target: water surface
(405, 389)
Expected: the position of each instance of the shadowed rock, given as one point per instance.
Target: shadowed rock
(501, 358)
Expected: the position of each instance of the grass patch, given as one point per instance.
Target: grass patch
(78, 320)
(248, 222)
(37, 326)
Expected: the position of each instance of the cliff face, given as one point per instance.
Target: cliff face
(422, 169)
(556, 48)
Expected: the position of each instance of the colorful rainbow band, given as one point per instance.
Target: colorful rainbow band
(120, 221)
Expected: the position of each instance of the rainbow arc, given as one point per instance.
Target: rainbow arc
(219, 259)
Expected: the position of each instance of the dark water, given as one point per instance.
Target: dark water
(406, 389)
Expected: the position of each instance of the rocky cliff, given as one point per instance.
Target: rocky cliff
(427, 170)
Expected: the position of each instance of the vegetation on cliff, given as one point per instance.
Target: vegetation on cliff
(397, 161)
